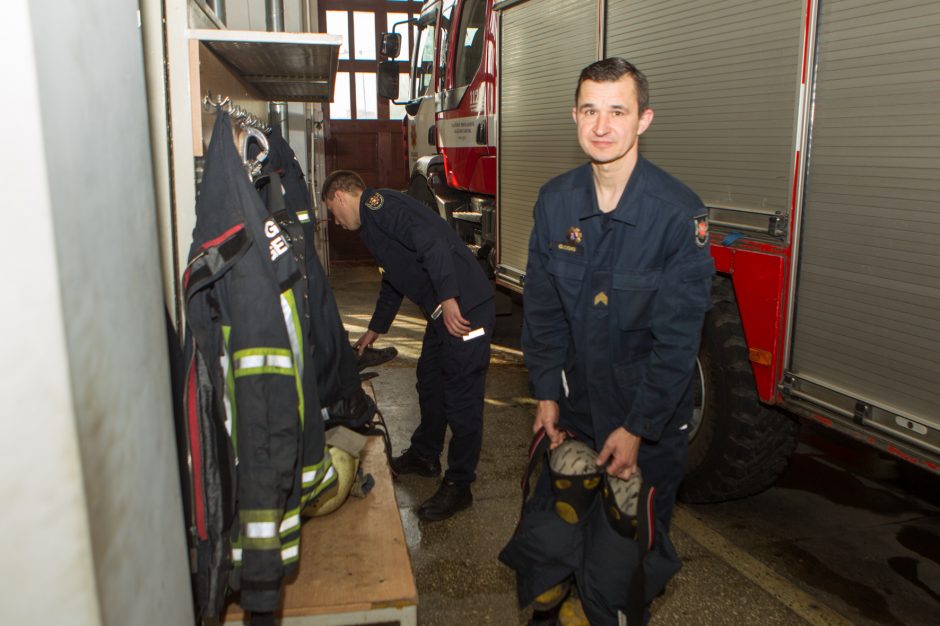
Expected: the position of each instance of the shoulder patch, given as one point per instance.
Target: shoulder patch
(701, 230)
(375, 201)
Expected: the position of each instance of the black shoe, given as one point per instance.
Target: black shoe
(412, 463)
(375, 356)
(449, 499)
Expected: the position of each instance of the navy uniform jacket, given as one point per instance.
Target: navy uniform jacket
(422, 257)
(616, 302)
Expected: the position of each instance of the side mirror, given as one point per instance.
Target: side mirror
(388, 80)
(390, 45)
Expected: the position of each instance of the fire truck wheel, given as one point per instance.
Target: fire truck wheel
(421, 191)
(739, 447)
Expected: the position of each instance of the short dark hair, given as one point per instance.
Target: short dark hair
(611, 70)
(341, 180)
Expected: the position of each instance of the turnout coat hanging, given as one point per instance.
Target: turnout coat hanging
(249, 378)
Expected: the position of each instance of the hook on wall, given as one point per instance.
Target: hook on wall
(239, 115)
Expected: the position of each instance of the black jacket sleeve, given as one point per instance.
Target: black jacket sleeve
(386, 308)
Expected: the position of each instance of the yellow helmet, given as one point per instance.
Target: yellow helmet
(347, 468)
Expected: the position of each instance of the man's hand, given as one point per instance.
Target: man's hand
(365, 341)
(546, 416)
(621, 448)
(454, 322)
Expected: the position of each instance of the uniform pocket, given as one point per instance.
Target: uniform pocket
(634, 293)
(568, 278)
(565, 269)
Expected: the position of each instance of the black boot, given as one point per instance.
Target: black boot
(411, 462)
(449, 499)
(375, 356)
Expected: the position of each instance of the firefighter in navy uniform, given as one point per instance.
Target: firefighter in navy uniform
(422, 258)
(617, 286)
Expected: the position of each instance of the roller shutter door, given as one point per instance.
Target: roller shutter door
(868, 299)
(724, 83)
(544, 44)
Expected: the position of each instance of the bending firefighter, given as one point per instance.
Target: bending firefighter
(422, 258)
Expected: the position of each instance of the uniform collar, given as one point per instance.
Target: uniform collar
(628, 208)
(366, 194)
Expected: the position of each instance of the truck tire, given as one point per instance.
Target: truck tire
(738, 447)
(420, 190)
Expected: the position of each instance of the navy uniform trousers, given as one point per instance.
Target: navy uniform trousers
(451, 379)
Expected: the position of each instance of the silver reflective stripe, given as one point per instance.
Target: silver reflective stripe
(263, 360)
(312, 478)
(564, 382)
(290, 552)
(288, 311)
(310, 475)
(237, 554)
(226, 399)
(260, 530)
(303, 216)
(290, 522)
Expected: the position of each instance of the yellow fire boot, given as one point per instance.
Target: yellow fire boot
(572, 613)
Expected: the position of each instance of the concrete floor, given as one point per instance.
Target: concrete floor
(841, 540)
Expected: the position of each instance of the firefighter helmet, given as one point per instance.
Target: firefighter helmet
(347, 468)
(575, 479)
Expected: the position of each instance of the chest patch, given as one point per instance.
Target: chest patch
(375, 201)
(701, 230)
(574, 236)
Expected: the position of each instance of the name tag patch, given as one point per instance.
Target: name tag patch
(568, 248)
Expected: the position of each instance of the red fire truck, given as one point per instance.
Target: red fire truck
(449, 130)
(812, 133)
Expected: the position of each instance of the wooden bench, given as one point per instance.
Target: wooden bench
(354, 563)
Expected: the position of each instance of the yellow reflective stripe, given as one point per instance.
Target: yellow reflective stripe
(259, 529)
(228, 398)
(291, 521)
(290, 551)
(328, 479)
(294, 334)
(312, 474)
(252, 361)
(303, 216)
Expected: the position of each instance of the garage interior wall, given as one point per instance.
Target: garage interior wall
(92, 524)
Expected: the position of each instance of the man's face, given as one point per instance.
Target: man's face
(345, 209)
(609, 121)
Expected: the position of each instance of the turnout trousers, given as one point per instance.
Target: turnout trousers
(451, 379)
(546, 550)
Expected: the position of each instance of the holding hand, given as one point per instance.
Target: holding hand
(546, 416)
(621, 449)
(454, 322)
(365, 341)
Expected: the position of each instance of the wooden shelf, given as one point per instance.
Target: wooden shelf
(354, 563)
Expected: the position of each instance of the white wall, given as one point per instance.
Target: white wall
(92, 521)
